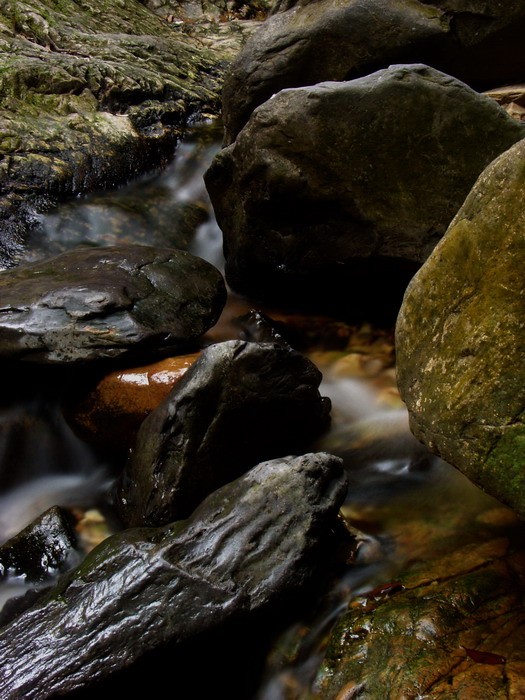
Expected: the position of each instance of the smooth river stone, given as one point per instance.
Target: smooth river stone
(111, 412)
(307, 42)
(249, 543)
(90, 304)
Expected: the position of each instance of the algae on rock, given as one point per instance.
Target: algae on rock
(94, 93)
(460, 336)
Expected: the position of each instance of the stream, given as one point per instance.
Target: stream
(398, 491)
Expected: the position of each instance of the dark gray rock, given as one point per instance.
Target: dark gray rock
(305, 42)
(334, 193)
(90, 304)
(43, 549)
(246, 545)
(238, 404)
(459, 338)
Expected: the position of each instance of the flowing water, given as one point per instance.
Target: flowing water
(396, 487)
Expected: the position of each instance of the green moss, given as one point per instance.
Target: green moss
(70, 75)
(508, 458)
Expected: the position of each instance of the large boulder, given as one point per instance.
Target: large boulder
(460, 336)
(305, 42)
(91, 304)
(337, 191)
(94, 93)
(238, 404)
(250, 543)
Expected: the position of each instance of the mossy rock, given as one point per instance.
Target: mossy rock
(94, 93)
(452, 629)
(460, 336)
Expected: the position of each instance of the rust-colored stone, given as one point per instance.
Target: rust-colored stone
(111, 413)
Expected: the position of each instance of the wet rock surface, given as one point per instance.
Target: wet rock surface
(44, 548)
(111, 412)
(325, 197)
(138, 221)
(165, 209)
(238, 404)
(460, 333)
(456, 623)
(305, 43)
(247, 544)
(92, 304)
(93, 94)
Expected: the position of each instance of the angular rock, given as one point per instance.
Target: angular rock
(478, 41)
(238, 404)
(339, 191)
(246, 545)
(91, 304)
(257, 327)
(460, 344)
(93, 94)
(44, 548)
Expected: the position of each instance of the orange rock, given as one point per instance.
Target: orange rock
(111, 413)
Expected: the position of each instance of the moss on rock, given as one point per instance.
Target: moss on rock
(460, 336)
(93, 93)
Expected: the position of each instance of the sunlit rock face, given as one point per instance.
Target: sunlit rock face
(336, 192)
(460, 336)
(92, 304)
(247, 545)
(238, 404)
(304, 42)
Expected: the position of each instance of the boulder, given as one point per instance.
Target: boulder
(238, 404)
(305, 42)
(335, 192)
(95, 93)
(91, 304)
(460, 349)
(250, 543)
